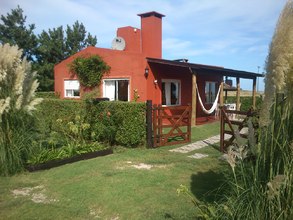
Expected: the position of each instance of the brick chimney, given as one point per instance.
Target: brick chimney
(151, 34)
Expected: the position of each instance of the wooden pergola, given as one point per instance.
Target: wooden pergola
(199, 69)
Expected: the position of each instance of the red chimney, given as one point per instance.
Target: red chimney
(151, 34)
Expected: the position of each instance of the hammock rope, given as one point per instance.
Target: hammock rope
(214, 106)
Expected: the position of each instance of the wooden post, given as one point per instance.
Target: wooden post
(189, 123)
(254, 93)
(222, 128)
(193, 101)
(155, 126)
(222, 93)
(149, 123)
(160, 124)
(238, 94)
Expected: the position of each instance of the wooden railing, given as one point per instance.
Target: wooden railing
(232, 124)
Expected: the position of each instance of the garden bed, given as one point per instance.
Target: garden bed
(60, 162)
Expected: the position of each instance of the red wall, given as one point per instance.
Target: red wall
(132, 37)
(129, 63)
(123, 65)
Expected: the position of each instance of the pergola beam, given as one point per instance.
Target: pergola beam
(254, 93)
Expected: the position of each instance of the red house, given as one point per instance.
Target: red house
(137, 65)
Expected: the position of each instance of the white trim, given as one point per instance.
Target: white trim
(179, 90)
(116, 79)
(71, 85)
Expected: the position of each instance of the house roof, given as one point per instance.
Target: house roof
(205, 69)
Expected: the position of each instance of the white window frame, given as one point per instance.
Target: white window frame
(207, 101)
(71, 88)
(116, 79)
(169, 90)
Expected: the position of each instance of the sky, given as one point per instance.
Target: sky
(231, 33)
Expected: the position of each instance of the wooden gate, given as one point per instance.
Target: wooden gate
(233, 123)
(171, 125)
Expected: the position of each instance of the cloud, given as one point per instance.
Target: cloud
(213, 31)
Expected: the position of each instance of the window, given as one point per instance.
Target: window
(210, 92)
(71, 88)
(116, 89)
(170, 92)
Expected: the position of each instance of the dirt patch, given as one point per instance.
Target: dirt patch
(36, 194)
(198, 156)
(95, 212)
(140, 166)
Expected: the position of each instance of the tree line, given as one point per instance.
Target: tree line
(46, 49)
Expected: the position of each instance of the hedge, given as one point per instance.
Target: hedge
(47, 95)
(52, 109)
(121, 123)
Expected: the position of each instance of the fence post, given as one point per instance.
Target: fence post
(149, 125)
(222, 129)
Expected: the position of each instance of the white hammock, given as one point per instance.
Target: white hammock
(213, 108)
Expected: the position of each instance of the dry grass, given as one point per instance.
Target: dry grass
(244, 93)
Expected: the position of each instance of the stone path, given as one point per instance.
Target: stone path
(203, 143)
(198, 145)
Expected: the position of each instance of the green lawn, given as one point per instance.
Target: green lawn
(111, 187)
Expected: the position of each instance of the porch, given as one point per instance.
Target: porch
(194, 80)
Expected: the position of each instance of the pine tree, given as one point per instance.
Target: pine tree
(14, 31)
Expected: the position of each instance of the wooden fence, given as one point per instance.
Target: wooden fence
(234, 120)
(168, 125)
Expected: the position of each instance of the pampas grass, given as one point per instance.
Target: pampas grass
(17, 102)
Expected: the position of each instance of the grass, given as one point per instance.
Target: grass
(111, 188)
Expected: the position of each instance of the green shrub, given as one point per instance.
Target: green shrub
(53, 109)
(89, 70)
(47, 95)
(67, 151)
(120, 123)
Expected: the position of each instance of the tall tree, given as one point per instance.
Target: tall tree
(51, 47)
(55, 46)
(46, 49)
(76, 38)
(14, 31)
(279, 64)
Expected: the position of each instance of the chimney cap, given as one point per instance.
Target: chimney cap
(151, 13)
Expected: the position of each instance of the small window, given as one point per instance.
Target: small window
(71, 88)
(116, 89)
(170, 92)
(210, 92)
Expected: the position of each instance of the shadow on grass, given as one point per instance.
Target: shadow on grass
(205, 186)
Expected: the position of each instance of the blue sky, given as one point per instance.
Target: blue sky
(230, 33)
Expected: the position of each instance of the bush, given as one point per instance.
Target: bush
(47, 95)
(120, 123)
(51, 110)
